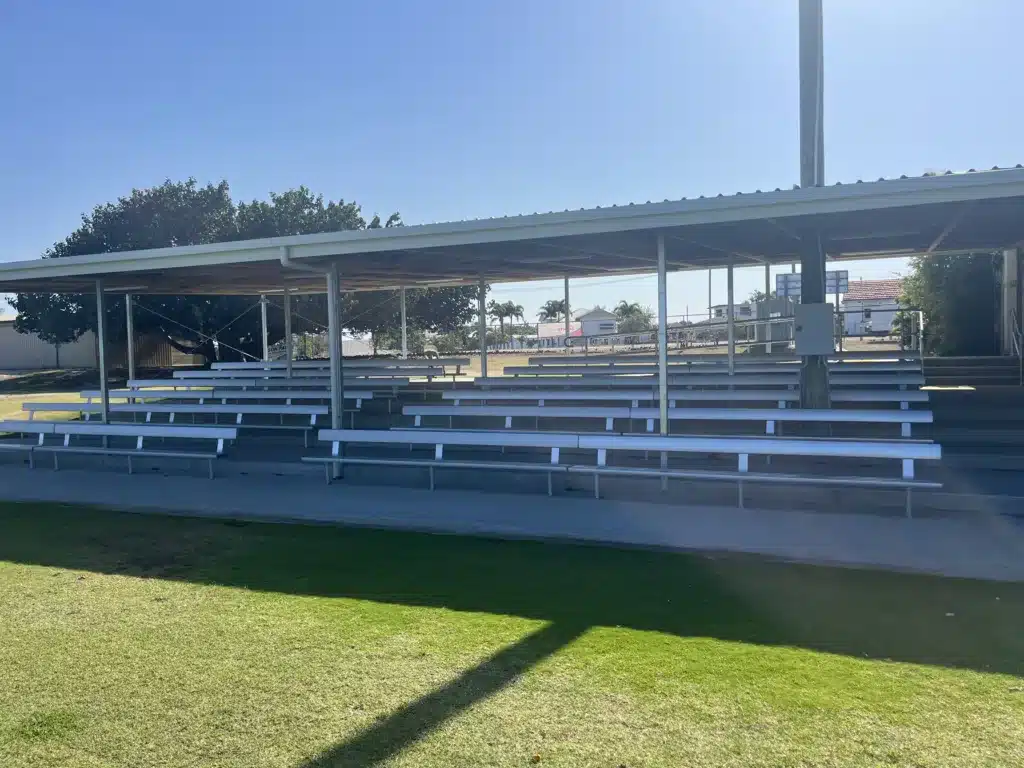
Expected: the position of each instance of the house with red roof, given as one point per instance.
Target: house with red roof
(870, 307)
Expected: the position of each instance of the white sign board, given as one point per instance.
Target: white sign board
(787, 284)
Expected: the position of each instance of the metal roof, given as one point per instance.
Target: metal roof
(975, 210)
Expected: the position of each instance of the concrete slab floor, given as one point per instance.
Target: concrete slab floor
(986, 547)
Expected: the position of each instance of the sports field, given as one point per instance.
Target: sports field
(131, 640)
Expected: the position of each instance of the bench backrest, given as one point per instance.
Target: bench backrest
(274, 409)
(743, 447)
(906, 451)
(311, 375)
(881, 355)
(826, 415)
(192, 383)
(791, 371)
(142, 431)
(225, 392)
(289, 394)
(40, 428)
(325, 383)
(637, 395)
(268, 408)
(177, 394)
(648, 382)
(325, 364)
(450, 437)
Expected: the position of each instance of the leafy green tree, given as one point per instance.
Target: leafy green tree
(633, 317)
(224, 327)
(959, 298)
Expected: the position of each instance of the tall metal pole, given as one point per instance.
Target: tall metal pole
(288, 351)
(814, 370)
(730, 321)
(767, 296)
(405, 332)
(101, 350)
(709, 295)
(130, 334)
(482, 312)
(662, 337)
(567, 314)
(263, 325)
(334, 341)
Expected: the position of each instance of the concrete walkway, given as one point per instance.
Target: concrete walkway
(989, 547)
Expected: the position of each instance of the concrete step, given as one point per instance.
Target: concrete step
(949, 437)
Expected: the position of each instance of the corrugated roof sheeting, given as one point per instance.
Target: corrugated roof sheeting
(969, 211)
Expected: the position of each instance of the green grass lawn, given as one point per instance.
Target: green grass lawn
(158, 641)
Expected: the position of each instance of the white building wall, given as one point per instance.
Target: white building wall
(598, 327)
(26, 352)
(883, 312)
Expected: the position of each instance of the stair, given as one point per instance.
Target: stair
(987, 421)
(971, 371)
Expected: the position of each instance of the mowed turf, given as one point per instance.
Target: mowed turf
(130, 640)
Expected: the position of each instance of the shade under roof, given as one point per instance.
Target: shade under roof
(971, 211)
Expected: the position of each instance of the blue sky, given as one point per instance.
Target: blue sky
(454, 109)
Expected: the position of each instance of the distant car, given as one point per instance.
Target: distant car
(430, 352)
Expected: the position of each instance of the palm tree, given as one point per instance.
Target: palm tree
(498, 312)
(552, 310)
(626, 309)
(633, 317)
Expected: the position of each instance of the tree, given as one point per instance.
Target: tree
(958, 296)
(515, 311)
(553, 310)
(183, 213)
(501, 311)
(498, 311)
(633, 318)
(757, 296)
(378, 313)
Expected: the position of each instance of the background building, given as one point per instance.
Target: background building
(596, 321)
(870, 306)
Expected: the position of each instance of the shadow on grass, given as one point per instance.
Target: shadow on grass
(387, 738)
(929, 620)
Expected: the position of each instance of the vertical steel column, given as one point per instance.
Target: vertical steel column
(814, 371)
(482, 312)
(709, 294)
(1009, 310)
(767, 280)
(405, 333)
(263, 325)
(730, 321)
(101, 350)
(286, 303)
(335, 343)
(130, 334)
(662, 337)
(567, 315)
